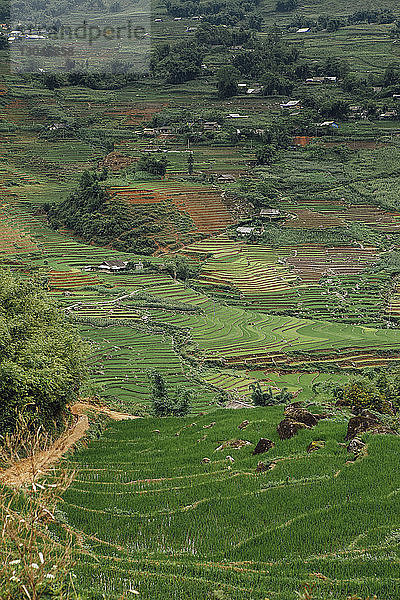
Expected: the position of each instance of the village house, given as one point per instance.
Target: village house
(291, 104)
(328, 124)
(320, 80)
(211, 126)
(237, 116)
(245, 231)
(389, 114)
(270, 213)
(113, 265)
(226, 178)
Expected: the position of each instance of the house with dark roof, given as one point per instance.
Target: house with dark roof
(113, 265)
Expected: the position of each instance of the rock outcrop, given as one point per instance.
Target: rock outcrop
(366, 421)
(355, 446)
(315, 445)
(295, 418)
(263, 446)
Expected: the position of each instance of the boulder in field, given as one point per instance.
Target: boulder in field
(355, 446)
(288, 428)
(315, 445)
(300, 415)
(263, 446)
(262, 467)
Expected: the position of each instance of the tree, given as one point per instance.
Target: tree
(190, 163)
(266, 154)
(154, 164)
(42, 357)
(227, 82)
(177, 64)
(261, 398)
(162, 404)
(180, 267)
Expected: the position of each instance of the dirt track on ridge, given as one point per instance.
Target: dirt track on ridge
(26, 470)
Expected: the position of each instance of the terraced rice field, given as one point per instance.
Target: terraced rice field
(152, 518)
(203, 204)
(317, 216)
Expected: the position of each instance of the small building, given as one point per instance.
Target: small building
(255, 90)
(149, 131)
(319, 80)
(245, 231)
(237, 116)
(389, 114)
(211, 126)
(331, 124)
(291, 104)
(139, 266)
(270, 213)
(164, 130)
(113, 265)
(303, 30)
(315, 80)
(226, 178)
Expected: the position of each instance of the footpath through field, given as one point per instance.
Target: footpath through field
(26, 470)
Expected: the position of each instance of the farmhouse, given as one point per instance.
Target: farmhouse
(389, 114)
(226, 178)
(113, 265)
(319, 80)
(211, 126)
(270, 213)
(331, 124)
(291, 104)
(245, 231)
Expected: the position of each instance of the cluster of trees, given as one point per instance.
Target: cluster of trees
(219, 35)
(233, 13)
(378, 390)
(42, 358)
(96, 81)
(332, 23)
(273, 62)
(165, 405)
(268, 398)
(91, 213)
(155, 164)
(178, 63)
(97, 217)
(286, 5)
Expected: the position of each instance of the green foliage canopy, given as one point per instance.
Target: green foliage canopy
(41, 356)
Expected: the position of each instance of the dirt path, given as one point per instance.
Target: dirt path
(26, 470)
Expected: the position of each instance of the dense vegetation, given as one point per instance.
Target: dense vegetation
(96, 216)
(41, 357)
